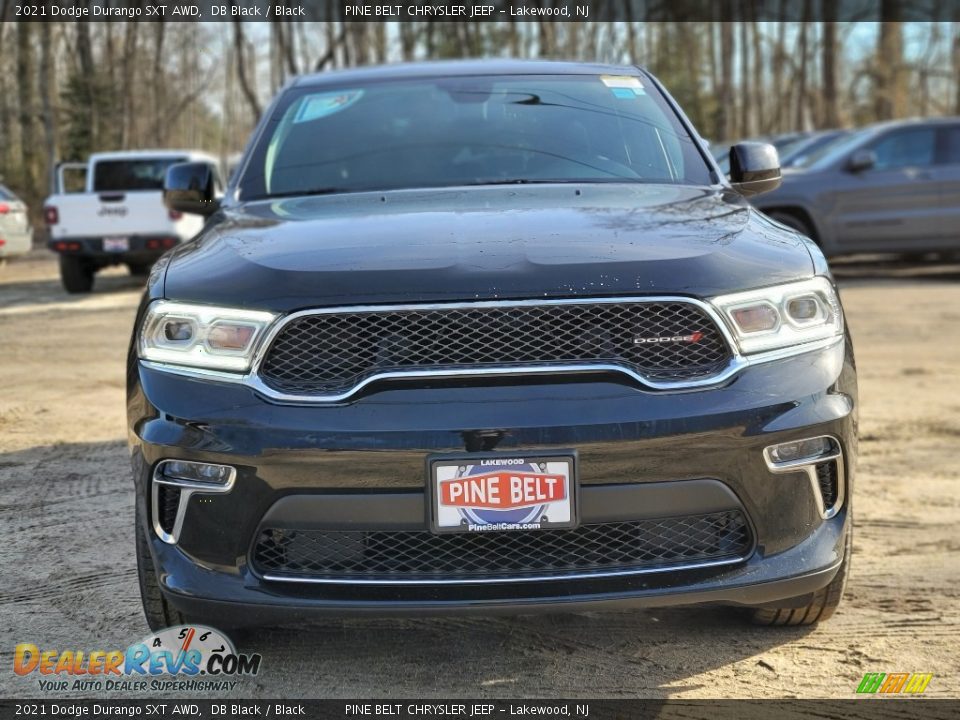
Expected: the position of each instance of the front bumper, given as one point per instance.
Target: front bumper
(656, 453)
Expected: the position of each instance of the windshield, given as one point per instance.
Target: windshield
(130, 175)
(798, 153)
(442, 132)
(828, 154)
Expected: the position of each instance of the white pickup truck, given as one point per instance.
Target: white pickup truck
(119, 217)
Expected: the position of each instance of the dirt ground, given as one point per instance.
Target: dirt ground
(68, 578)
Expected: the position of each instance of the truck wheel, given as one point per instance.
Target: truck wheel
(821, 606)
(159, 613)
(76, 274)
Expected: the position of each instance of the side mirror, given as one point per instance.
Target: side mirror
(862, 160)
(190, 188)
(754, 168)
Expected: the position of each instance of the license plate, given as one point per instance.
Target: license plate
(116, 244)
(500, 492)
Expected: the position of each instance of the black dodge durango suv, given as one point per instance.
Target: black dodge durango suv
(488, 336)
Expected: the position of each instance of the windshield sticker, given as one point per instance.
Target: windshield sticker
(321, 105)
(623, 93)
(622, 81)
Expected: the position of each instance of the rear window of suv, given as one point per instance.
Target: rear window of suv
(476, 130)
(131, 175)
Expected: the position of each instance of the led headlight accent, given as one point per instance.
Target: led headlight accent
(783, 316)
(202, 336)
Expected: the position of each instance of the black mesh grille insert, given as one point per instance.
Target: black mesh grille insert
(168, 500)
(827, 479)
(331, 353)
(419, 554)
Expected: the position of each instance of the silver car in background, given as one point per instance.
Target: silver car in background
(888, 188)
(16, 235)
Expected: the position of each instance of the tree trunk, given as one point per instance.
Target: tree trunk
(831, 110)
(726, 112)
(127, 83)
(46, 82)
(956, 61)
(408, 41)
(746, 92)
(25, 96)
(802, 109)
(891, 87)
(159, 34)
(240, 48)
(779, 56)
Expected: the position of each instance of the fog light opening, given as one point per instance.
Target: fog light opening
(186, 473)
(801, 451)
(821, 460)
(828, 479)
(174, 482)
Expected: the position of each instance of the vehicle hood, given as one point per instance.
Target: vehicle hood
(483, 243)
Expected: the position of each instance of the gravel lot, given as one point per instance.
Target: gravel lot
(69, 578)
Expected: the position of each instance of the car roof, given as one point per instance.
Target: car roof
(158, 153)
(463, 68)
(906, 122)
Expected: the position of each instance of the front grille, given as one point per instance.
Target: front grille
(422, 555)
(168, 502)
(332, 352)
(827, 479)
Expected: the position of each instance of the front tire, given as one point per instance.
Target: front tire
(159, 613)
(76, 274)
(820, 607)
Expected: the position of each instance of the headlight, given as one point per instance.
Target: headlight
(202, 336)
(783, 315)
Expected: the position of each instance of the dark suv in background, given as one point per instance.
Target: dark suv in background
(488, 336)
(888, 188)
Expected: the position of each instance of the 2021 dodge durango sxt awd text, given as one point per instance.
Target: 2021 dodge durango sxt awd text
(488, 336)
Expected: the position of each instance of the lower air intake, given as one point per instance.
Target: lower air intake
(421, 555)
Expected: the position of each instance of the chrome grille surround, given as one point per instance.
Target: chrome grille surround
(329, 354)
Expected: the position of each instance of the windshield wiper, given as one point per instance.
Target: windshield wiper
(557, 181)
(308, 191)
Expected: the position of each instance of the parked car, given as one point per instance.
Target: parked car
(120, 217)
(799, 152)
(16, 235)
(478, 336)
(889, 188)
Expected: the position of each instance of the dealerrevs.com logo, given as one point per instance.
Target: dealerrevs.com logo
(181, 658)
(894, 683)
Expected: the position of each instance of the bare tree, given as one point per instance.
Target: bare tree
(831, 114)
(25, 98)
(46, 82)
(891, 87)
(726, 115)
(956, 59)
(240, 51)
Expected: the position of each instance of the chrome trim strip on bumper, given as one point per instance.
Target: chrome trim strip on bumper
(252, 378)
(599, 574)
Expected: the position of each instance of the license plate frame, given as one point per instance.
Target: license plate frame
(539, 465)
(116, 244)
